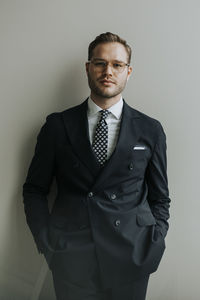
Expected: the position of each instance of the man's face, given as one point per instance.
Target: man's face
(107, 82)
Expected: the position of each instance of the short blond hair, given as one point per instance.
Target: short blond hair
(108, 37)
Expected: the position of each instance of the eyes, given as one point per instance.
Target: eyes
(117, 66)
(104, 64)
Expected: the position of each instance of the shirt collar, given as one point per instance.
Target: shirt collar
(115, 109)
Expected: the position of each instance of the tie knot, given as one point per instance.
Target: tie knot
(104, 113)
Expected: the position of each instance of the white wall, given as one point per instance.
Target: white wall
(42, 55)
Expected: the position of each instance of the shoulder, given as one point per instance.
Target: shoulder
(56, 121)
(147, 123)
(57, 116)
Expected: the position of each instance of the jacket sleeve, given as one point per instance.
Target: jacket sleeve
(156, 178)
(39, 179)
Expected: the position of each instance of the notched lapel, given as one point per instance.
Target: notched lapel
(76, 124)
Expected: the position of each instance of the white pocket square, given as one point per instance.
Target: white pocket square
(139, 148)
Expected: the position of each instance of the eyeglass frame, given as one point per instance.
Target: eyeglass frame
(107, 63)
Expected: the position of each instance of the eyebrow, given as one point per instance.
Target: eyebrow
(115, 60)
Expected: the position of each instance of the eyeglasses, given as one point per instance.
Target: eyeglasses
(116, 66)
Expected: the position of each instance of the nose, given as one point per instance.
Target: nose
(108, 70)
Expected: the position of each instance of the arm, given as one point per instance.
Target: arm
(38, 181)
(156, 178)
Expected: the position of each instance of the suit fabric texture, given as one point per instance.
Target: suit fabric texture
(117, 213)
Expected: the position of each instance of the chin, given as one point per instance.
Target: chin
(107, 94)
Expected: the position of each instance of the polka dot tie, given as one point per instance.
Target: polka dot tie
(100, 142)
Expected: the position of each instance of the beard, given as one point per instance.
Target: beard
(104, 92)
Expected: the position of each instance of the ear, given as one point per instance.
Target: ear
(130, 69)
(87, 64)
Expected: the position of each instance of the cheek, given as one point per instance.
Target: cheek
(122, 81)
(93, 76)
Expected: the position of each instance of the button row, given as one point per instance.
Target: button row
(112, 196)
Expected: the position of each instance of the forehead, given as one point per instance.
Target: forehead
(110, 51)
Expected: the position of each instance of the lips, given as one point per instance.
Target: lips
(104, 81)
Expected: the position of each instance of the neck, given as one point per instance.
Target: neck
(104, 103)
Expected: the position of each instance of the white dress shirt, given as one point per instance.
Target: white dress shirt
(113, 120)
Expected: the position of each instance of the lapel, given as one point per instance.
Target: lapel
(76, 123)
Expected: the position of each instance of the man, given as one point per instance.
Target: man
(105, 233)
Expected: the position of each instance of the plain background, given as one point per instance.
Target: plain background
(42, 55)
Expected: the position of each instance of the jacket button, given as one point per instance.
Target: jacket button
(117, 222)
(131, 166)
(113, 196)
(90, 195)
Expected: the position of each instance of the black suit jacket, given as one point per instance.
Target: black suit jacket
(125, 203)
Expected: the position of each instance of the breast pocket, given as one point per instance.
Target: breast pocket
(140, 158)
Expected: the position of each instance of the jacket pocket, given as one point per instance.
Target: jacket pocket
(146, 219)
